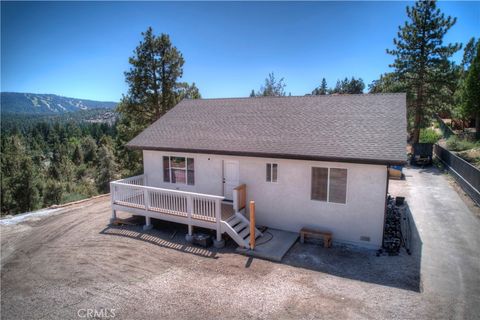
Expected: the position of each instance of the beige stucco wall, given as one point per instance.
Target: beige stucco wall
(286, 204)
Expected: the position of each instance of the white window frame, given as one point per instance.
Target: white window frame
(186, 169)
(328, 185)
(271, 172)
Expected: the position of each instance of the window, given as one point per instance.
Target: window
(178, 170)
(272, 172)
(319, 184)
(337, 190)
(329, 185)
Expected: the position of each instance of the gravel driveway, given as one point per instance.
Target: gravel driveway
(60, 265)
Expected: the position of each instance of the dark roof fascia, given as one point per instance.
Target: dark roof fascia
(273, 155)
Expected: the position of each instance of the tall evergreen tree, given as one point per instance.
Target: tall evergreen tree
(470, 92)
(89, 149)
(252, 94)
(13, 149)
(346, 86)
(187, 91)
(27, 186)
(77, 156)
(469, 53)
(387, 83)
(322, 90)
(422, 60)
(272, 87)
(107, 168)
(152, 79)
(323, 87)
(154, 89)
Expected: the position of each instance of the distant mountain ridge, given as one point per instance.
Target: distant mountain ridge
(19, 102)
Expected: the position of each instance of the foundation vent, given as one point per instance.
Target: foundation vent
(365, 238)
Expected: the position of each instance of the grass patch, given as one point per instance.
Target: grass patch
(471, 155)
(429, 135)
(456, 144)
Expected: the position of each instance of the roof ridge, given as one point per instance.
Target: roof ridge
(304, 96)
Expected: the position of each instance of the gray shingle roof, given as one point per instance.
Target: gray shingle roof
(365, 128)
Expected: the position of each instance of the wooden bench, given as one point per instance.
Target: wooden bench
(327, 236)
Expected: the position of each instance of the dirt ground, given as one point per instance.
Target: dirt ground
(60, 265)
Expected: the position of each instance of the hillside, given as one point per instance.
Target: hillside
(16, 102)
(22, 122)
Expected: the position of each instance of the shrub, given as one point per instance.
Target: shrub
(456, 144)
(429, 136)
(472, 156)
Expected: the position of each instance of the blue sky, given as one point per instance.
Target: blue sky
(82, 49)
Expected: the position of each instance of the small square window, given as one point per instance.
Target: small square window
(272, 171)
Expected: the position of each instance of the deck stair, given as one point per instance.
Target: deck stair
(238, 228)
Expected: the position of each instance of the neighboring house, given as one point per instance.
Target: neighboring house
(312, 161)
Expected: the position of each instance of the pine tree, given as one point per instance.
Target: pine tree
(421, 58)
(469, 53)
(187, 91)
(471, 91)
(272, 87)
(77, 156)
(27, 186)
(152, 79)
(89, 149)
(13, 149)
(322, 90)
(107, 169)
(323, 87)
(346, 86)
(387, 83)
(252, 94)
(54, 191)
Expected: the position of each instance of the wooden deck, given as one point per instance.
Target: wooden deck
(190, 208)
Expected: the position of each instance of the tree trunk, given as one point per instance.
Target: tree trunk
(418, 115)
(477, 125)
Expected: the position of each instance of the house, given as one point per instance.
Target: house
(310, 161)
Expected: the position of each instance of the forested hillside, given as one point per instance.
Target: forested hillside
(16, 102)
(47, 161)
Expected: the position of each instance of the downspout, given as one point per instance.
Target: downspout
(386, 204)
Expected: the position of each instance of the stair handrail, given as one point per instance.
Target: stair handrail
(240, 197)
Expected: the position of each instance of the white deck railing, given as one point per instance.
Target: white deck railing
(132, 192)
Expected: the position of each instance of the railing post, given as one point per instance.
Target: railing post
(252, 225)
(219, 242)
(146, 199)
(189, 236)
(112, 199)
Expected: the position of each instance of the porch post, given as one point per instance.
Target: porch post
(189, 235)
(148, 224)
(112, 201)
(218, 242)
(114, 216)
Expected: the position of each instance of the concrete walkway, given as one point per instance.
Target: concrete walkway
(448, 240)
(273, 245)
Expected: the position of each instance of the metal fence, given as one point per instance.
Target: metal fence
(446, 130)
(466, 175)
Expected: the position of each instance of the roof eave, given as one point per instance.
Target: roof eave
(272, 155)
